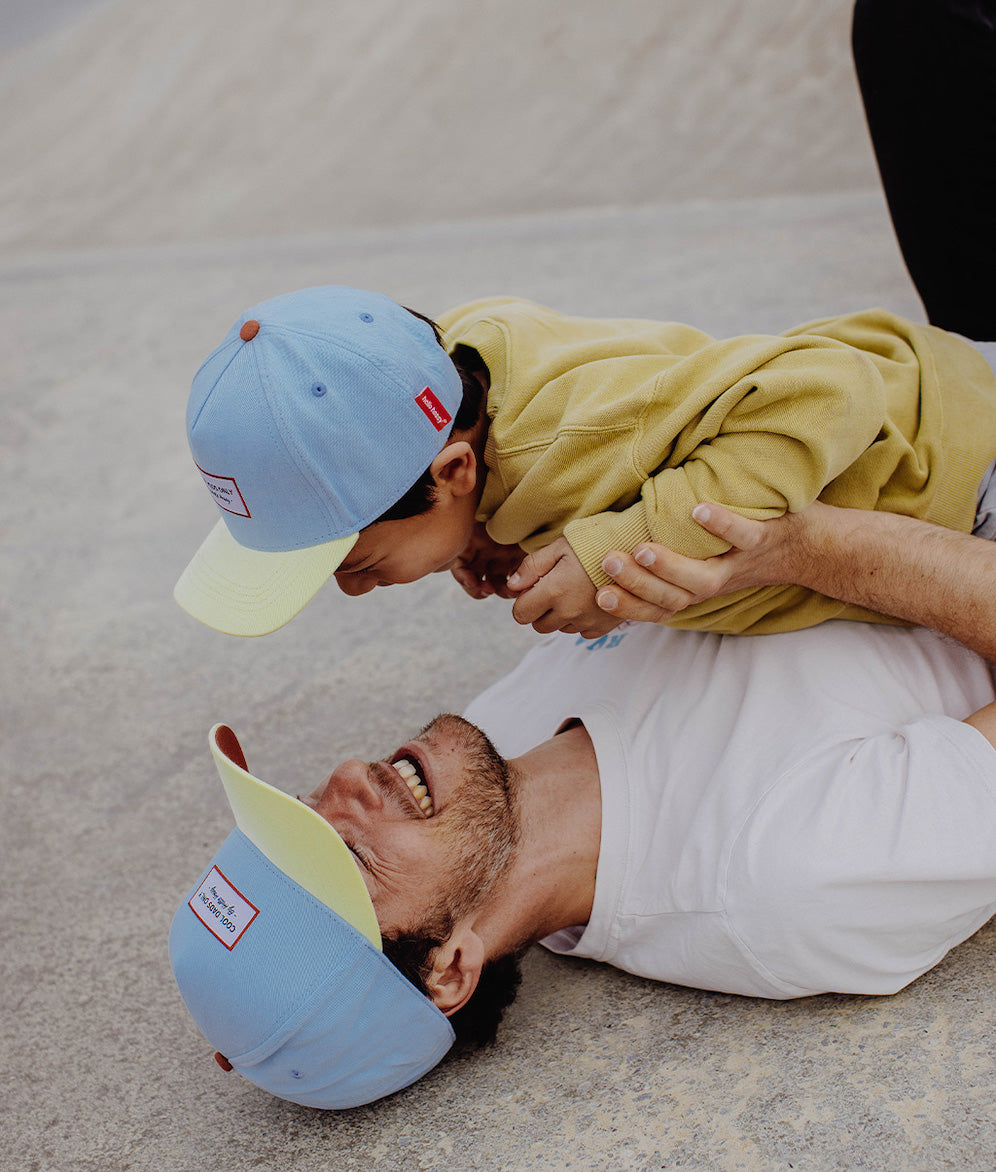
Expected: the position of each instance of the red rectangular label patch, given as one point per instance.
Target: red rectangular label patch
(222, 908)
(226, 493)
(435, 412)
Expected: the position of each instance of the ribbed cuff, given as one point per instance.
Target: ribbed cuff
(592, 538)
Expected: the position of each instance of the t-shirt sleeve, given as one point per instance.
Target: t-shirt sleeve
(863, 867)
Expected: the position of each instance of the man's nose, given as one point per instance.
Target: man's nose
(347, 791)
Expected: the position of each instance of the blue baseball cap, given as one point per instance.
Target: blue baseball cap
(277, 954)
(318, 411)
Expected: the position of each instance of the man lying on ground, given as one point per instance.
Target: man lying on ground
(776, 816)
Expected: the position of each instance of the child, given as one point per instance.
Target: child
(337, 437)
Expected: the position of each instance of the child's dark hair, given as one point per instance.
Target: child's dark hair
(422, 495)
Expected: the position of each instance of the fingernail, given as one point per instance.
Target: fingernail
(645, 557)
(513, 580)
(606, 599)
(612, 566)
(701, 512)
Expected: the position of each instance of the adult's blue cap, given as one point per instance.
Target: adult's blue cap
(277, 954)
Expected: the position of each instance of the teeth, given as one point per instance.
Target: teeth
(415, 784)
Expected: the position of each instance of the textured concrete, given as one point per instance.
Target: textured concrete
(109, 801)
(186, 120)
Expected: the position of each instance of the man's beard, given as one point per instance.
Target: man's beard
(483, 835)
(482, 832)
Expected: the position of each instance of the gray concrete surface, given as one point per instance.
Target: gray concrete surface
(109, 801)
(184, 120)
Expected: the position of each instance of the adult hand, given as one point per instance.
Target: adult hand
(556, 594)
(654, 583)
(899, 566)
(484, 566)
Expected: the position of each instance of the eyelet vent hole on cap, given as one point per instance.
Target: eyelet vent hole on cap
(318, 390)
(367, 317)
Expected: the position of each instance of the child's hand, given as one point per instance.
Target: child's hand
(555, 594)
(484, 566)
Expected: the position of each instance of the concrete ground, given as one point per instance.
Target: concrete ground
(110, 804)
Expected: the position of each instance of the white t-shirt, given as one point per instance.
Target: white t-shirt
(782, 815)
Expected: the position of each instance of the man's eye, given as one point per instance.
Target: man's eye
(358, 856)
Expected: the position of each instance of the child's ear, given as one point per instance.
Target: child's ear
(456, 969)
(455, 468)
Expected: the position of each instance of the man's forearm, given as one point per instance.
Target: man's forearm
(898, 566)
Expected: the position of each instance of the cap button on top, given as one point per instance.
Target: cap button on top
(249, 330)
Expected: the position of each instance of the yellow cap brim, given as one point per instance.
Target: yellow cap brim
(244, 591)
(294, 837)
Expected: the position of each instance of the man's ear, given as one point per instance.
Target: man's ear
(455, 468)
(456, 969)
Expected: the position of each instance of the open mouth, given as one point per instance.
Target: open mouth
(411, 775)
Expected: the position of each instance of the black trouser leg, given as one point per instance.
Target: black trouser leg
(928, 81)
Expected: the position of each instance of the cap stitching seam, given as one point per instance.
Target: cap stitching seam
(221, 373)
(394, 371)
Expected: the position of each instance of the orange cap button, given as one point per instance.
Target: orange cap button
(249, 330)
(218, 1057)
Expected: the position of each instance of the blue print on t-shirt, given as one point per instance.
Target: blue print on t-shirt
(606, 643)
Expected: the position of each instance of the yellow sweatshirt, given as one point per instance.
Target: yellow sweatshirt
(610, 431)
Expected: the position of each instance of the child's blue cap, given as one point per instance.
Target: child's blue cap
(318, 411)
(276, 952)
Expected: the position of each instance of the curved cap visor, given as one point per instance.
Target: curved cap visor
(276, 954)
(294, 838)
(242, 591)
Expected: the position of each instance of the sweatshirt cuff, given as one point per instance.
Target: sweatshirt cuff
(592, 538)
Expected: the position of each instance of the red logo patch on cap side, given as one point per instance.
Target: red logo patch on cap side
(434, 411)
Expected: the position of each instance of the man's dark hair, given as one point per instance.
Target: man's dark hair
(422, 495)
(476, 1023)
